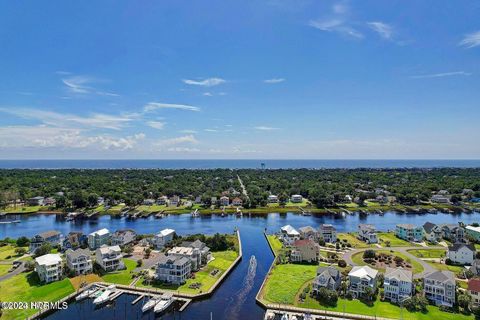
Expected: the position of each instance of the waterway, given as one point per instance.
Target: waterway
(235, 298)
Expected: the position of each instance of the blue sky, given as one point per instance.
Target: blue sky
(240, 79)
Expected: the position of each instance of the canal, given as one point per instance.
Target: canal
(235, 298)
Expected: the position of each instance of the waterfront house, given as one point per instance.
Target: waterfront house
(461, 253)
(296, 198)
(49, 267)
(163, 238)
(100, 201)
(192, 254)
(224, 201)
(305, 251)
(288, 234)
(148, 202)
(50, 202)
(205, 254)
(328, 233)
(98, 238)
(432, 232)
(409, 232)
(453, 233)
(475, 267)
(367, 233)
(359, 278)
(123, 237)
(438, 198)
(327, 277)
(272, 199)
(213, 200)
(473, 232)
(79, 261)
(198, 200)
(308, 232)
(236, 202)
(173, 269)
(52, 237)
(348, 198)
(174, 201)
(397, 284)
(474, 292)
(36, 201)
(439, 288)
(109, 258)
(162, 200)
(74, 240)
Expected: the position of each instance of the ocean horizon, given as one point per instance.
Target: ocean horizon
(234, 164)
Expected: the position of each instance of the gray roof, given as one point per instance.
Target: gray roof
(459, 245)
(330, 271)
(369, 227)
(327, 226)
(306, 229)
(428, 226)
(77, 253)
(48, 234)
(178, 261)
(442, 276)
(399, 274)
(197, 244)
(407, 226)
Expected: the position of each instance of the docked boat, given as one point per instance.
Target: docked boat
(105, 296)
(165, 301)
(85, 294)
(152, 302)
(195, 213)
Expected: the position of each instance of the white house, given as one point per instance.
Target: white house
(296, 198)
(109, 258)
(162, 238)
(438, 198)
(360, 278)
(172, 269)
(98, 238)
(272, 198)
(328, 233)
(79, 261)
(432, 232)
(461, 253)
(398, 284)
(123, 237)
(49, 267)
(367, 233)
(224, 201)
(288, 234)
(327, 277)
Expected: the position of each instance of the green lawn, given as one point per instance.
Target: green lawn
(222, 261)
(285, 281)
(352, 239)
(382, 309)
(22, 209)
(122, 276)
(4, 269)
(152, 208)
(275, 243)
(428, 253)
(383, 237)
(442, 266)
(416, 266)
(7, 253)
(26, 287)
(304, 203)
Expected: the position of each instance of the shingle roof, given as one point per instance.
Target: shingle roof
(428, 226)
(442, 276)
(458, 246)
(474, 285)
(306, 229)
(399, 274)
(77, 253)
(178, 261)
(363, 271)
(48, 234)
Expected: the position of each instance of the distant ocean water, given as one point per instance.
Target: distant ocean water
(233, 164)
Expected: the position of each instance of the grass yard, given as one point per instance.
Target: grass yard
(22, 209)
(122, 276)
(4, 269)
(89, 278)
(304, 203)
(442, 266)
(26, 287)
(394, 241)
(285, 280)
(382, 309)
(223, 260)
(416, 267)
(152, 208)
(116, 209)
(7, 253)
(428, 253)
(275, 243)
(352, 239)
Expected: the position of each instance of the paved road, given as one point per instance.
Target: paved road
(19, 270)
(244, 190)
(403, 250)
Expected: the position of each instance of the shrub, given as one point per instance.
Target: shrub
(369, 254)
(342, 263)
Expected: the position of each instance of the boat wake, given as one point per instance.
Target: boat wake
(241, 295)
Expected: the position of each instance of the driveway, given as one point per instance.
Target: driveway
(403, 250)
(19, 270)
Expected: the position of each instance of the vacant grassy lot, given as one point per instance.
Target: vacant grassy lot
(89, 278)
(416, 267)
(26, 287)
(4, 269)
(352, 239)
(285, 281)
(442, 266)
(383, 237)
(425, 253)
(152, 208)
(275, 243)
(304, 203)
(22, 209)
(122, 276)
(7, 253)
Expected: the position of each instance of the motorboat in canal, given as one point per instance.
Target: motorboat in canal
(165, 301)
(86, 293)
(105, 296)
(195, 213)
(152, 302)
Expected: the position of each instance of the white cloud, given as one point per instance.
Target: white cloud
(336, 25)
(208, 82)
(471, 40)
(274, 80)
(156, 124)
(384, 30)
(188, 131)
(208, 94)
(82, 85)
(266, 128)
(183, 149)
(211, 130)
(151, 106)
(96, 120)
(174, 141)
(441, 75)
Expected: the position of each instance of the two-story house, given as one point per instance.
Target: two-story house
(409, 232)
(453, 233)
(80, 261)
(360, 278)
(123, 237)
(99, 238)
(327, 277)
(53, 237)
(49, 267)
(173, 269)
(367, 233)
(164, 237)
(439, 288)
(289, 234)
(109, 258)
(328, 233)
(432, 232)
(398, 284)
(461, 253)
(308, 232)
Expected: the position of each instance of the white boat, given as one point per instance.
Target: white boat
(105, 296)
(284, 317)
(164, 303)
(195, 213)
(152, 302)
(85, 294)
(293, 317)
